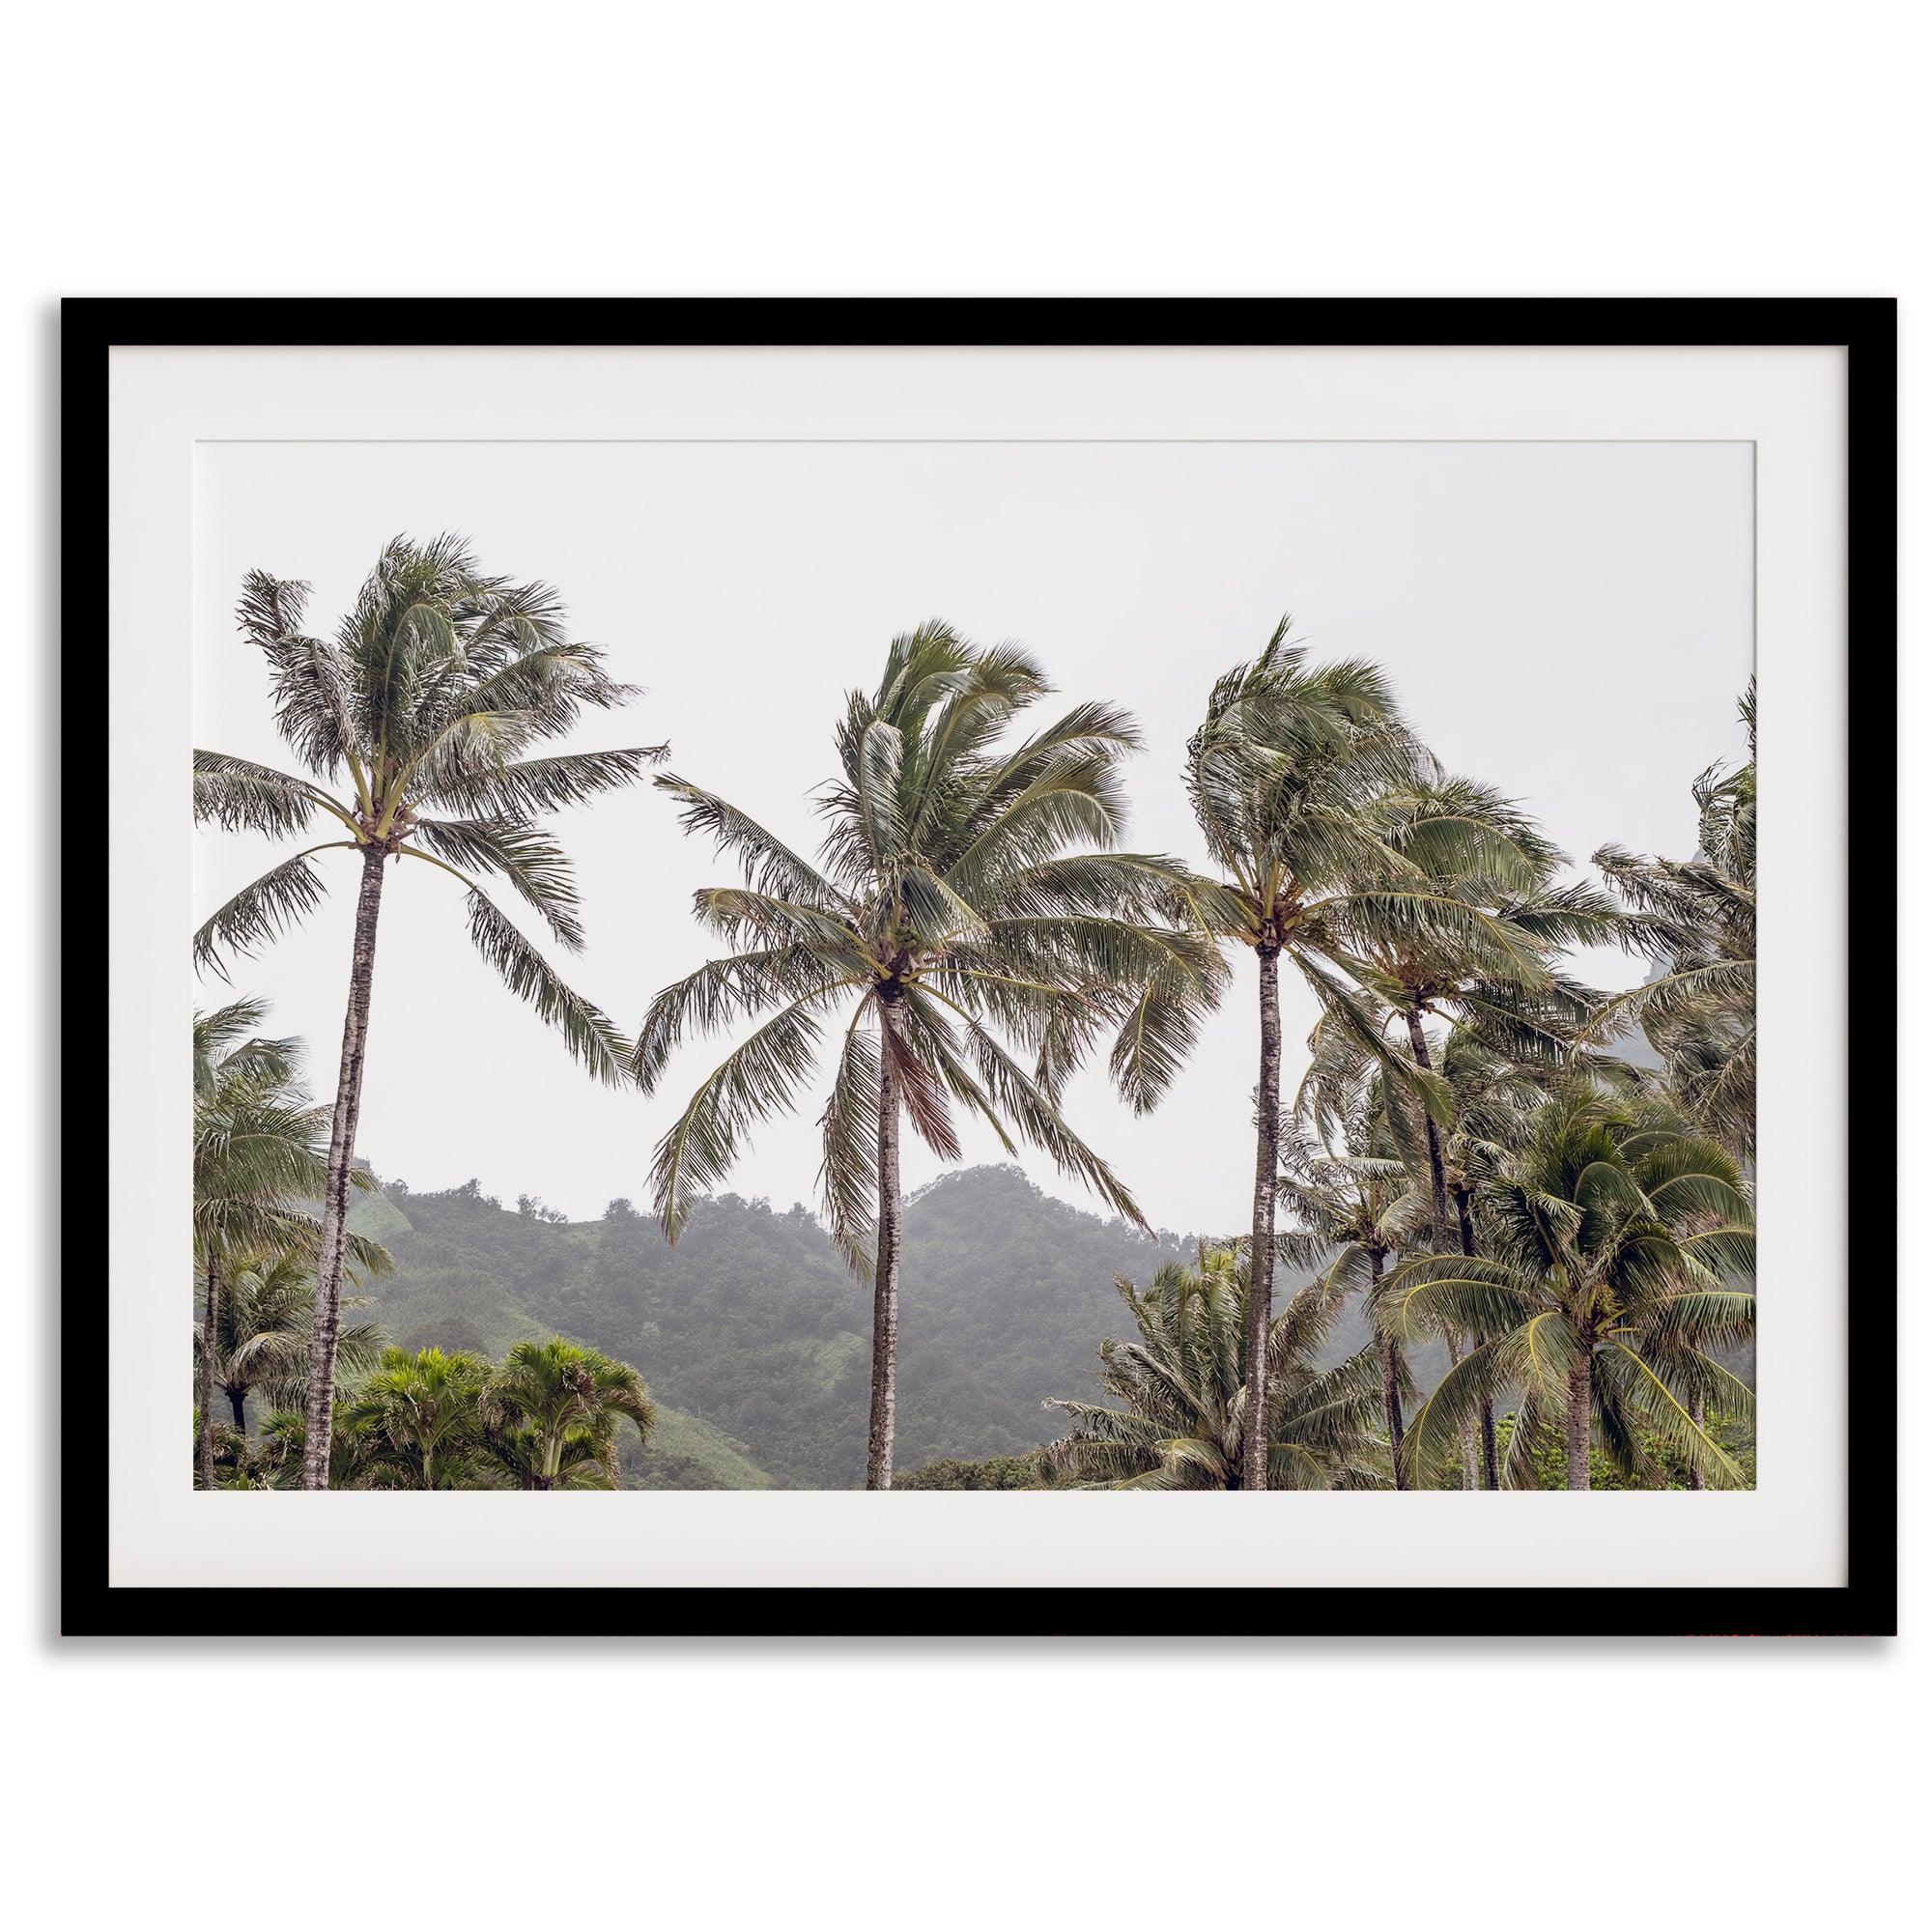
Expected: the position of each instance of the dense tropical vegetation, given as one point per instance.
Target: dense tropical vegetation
(1186, 1391)
(1516, 1213)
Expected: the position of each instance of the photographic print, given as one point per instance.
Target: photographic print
(809, 966)
(838, 967)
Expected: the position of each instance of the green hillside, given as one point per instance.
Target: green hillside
(753, 1332)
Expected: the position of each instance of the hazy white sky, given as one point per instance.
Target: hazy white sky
(1571, 622)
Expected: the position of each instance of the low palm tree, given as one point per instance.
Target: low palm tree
(1614, 1239)
(263, 1331)
(953, 929)
(258, 1156)
(1184, 1391)
(1360, 1205)
(550, 1413)
(1697, 918)
(420, 709)
(415, 1423)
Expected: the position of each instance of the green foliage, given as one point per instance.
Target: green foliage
(1614, 1248)
(952, 935)
(547, 1417)
(1544, 1466)
(1698, 918)
(967, 935)
(419, 712)
(996, 1472)
(754, 1328)
(1184, 1391)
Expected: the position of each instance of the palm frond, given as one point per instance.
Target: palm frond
(261, 912)
(592, 1041)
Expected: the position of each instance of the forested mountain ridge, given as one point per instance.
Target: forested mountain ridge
(753, 1326)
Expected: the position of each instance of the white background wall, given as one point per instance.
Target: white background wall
(1118, 148)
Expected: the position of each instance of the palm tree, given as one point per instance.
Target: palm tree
(552, 1411)
(1493, 974)
(1184, 1391)
(258, 1154)
(948, 922)
(1614, 1237)
(1698, 919)
(1362, 1204)
(262, 1336)
(437, 682)
(416, 1423)
(1283, 774)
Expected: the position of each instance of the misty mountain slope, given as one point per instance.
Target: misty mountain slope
(754, 1326)
(754, 1335)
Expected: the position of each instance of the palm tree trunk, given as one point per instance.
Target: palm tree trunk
(341, 1159)
(1577, 1425)
(1469, 1480)
(237, 1407)
(1697, 1416)
(885, 1270)
(1486, 1415)
(1391, 1380)
(204, 1434)
(1438, 1191)
(1261, 1246)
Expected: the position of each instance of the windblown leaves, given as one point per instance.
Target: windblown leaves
(1182, 1390)
(943, 884)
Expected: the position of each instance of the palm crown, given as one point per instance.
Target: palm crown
(552, 1411)
(435, 683)
(1185, 1391)
(1612, 1238)
(261, 1331)
(948, 918)
(1698, 917)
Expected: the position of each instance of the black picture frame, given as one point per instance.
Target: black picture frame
(1865, 328)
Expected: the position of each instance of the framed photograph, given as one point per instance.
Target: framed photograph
(842, 947)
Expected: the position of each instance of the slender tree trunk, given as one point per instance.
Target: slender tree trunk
(1486, 1415)
(1470, 1478)
(1577, 1424)
(1438, 1192)
(1261, 1246)
(1697, 1416)
(886, 1271)
(204, 1434)
(341, 1159)
(1391, 1380)
(237, 1407)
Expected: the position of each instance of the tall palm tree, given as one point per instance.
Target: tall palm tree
(439, 679)
(1698, 919)
(1615, 1239)
(950, 924)
(258, 1156)
(552, 1411)
(1284, 774)
(1185, 1390)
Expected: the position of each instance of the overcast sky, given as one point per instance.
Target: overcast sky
(1571, 622)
